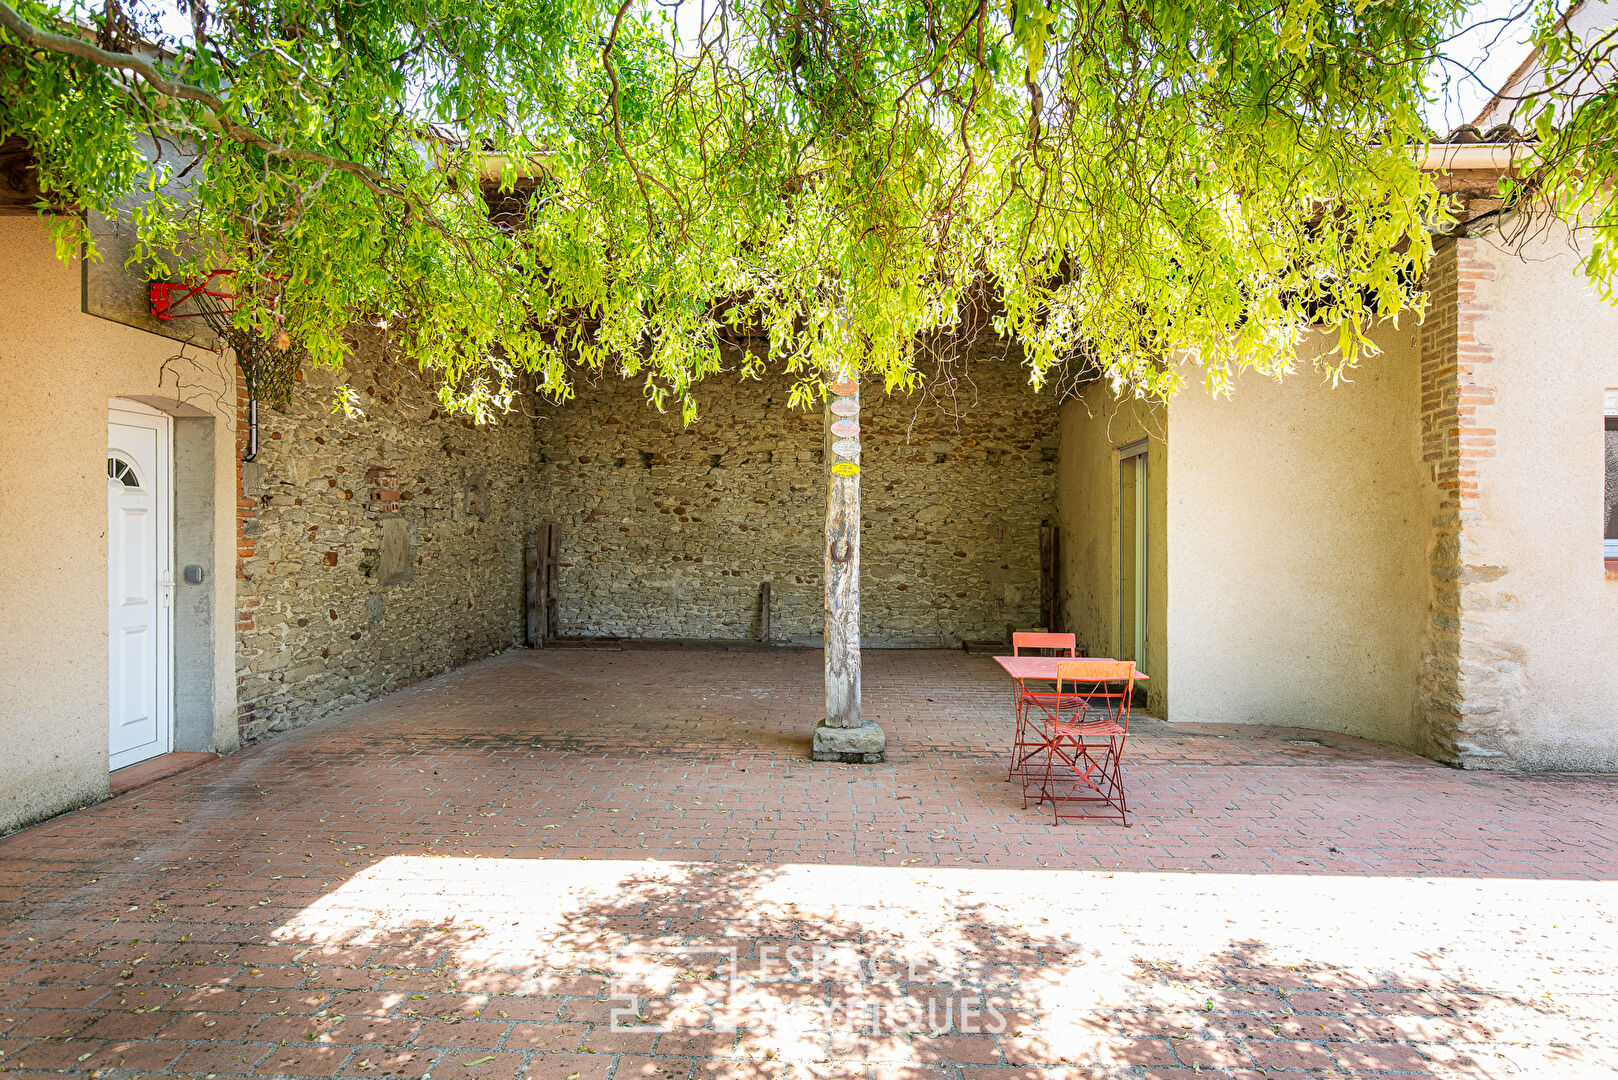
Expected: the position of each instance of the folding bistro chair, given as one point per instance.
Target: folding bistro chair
(1083, 738)
(1024, 641)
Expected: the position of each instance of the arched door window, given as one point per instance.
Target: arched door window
(122, 471)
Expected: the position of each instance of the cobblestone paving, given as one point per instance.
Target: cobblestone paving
(602, 865)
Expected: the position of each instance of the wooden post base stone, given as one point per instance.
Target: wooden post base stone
(865, 744)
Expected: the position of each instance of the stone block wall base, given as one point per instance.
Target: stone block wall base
(865, 744)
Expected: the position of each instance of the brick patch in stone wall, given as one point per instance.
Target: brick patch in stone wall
(1468, 678)
(384, 489)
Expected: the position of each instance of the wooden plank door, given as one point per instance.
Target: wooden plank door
(539, 586)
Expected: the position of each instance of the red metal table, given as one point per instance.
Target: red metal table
(1026, 669)
(1022, 668)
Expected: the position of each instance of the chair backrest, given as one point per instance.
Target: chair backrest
(1098, 686)
(1066, 644)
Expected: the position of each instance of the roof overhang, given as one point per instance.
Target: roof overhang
(1474, 157)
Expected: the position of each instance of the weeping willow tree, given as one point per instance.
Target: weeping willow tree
(1567, 100)
(1155, 191)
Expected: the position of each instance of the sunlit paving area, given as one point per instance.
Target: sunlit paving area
(613, 865)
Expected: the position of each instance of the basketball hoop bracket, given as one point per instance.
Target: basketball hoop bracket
(207, 299)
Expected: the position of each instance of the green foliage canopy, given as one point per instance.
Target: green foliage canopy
(1132, 188)
(1568, 103)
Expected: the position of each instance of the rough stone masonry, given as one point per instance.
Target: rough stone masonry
(381, 550)
(384, 549)
(668, 532)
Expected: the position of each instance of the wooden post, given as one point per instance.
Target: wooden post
(842, 635)
(551, 544)
(534, 638)
(1056, 624)
(844, 735)
(1050, 578)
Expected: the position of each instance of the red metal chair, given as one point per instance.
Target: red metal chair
(1062, 644)
(1033, 641)
(1082, 736)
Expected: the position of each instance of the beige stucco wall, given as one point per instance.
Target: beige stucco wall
(1298, 520)
(1538, 607)
(59, 369)
(1094, 426)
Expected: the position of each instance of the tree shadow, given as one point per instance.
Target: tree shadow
(327, 904)
(682, 968)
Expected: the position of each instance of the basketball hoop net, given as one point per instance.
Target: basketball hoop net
(269, 371)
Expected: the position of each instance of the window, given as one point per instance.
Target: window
(122, 471)
(1609, 546)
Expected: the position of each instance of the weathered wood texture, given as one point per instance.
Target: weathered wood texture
(533, 634)
(842, 633)
(1050, 578)
(550, 540)
(19, 184)
(540, 586)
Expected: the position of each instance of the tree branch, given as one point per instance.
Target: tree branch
(63, 45)
(617, 127)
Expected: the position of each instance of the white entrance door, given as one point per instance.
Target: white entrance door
(139, 583)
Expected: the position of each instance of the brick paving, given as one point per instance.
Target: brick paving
(602, 865)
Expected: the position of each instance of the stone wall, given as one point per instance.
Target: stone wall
(377, 551)
(1440, 701)
(668, 532)
(1471, 679)
(373, 552)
